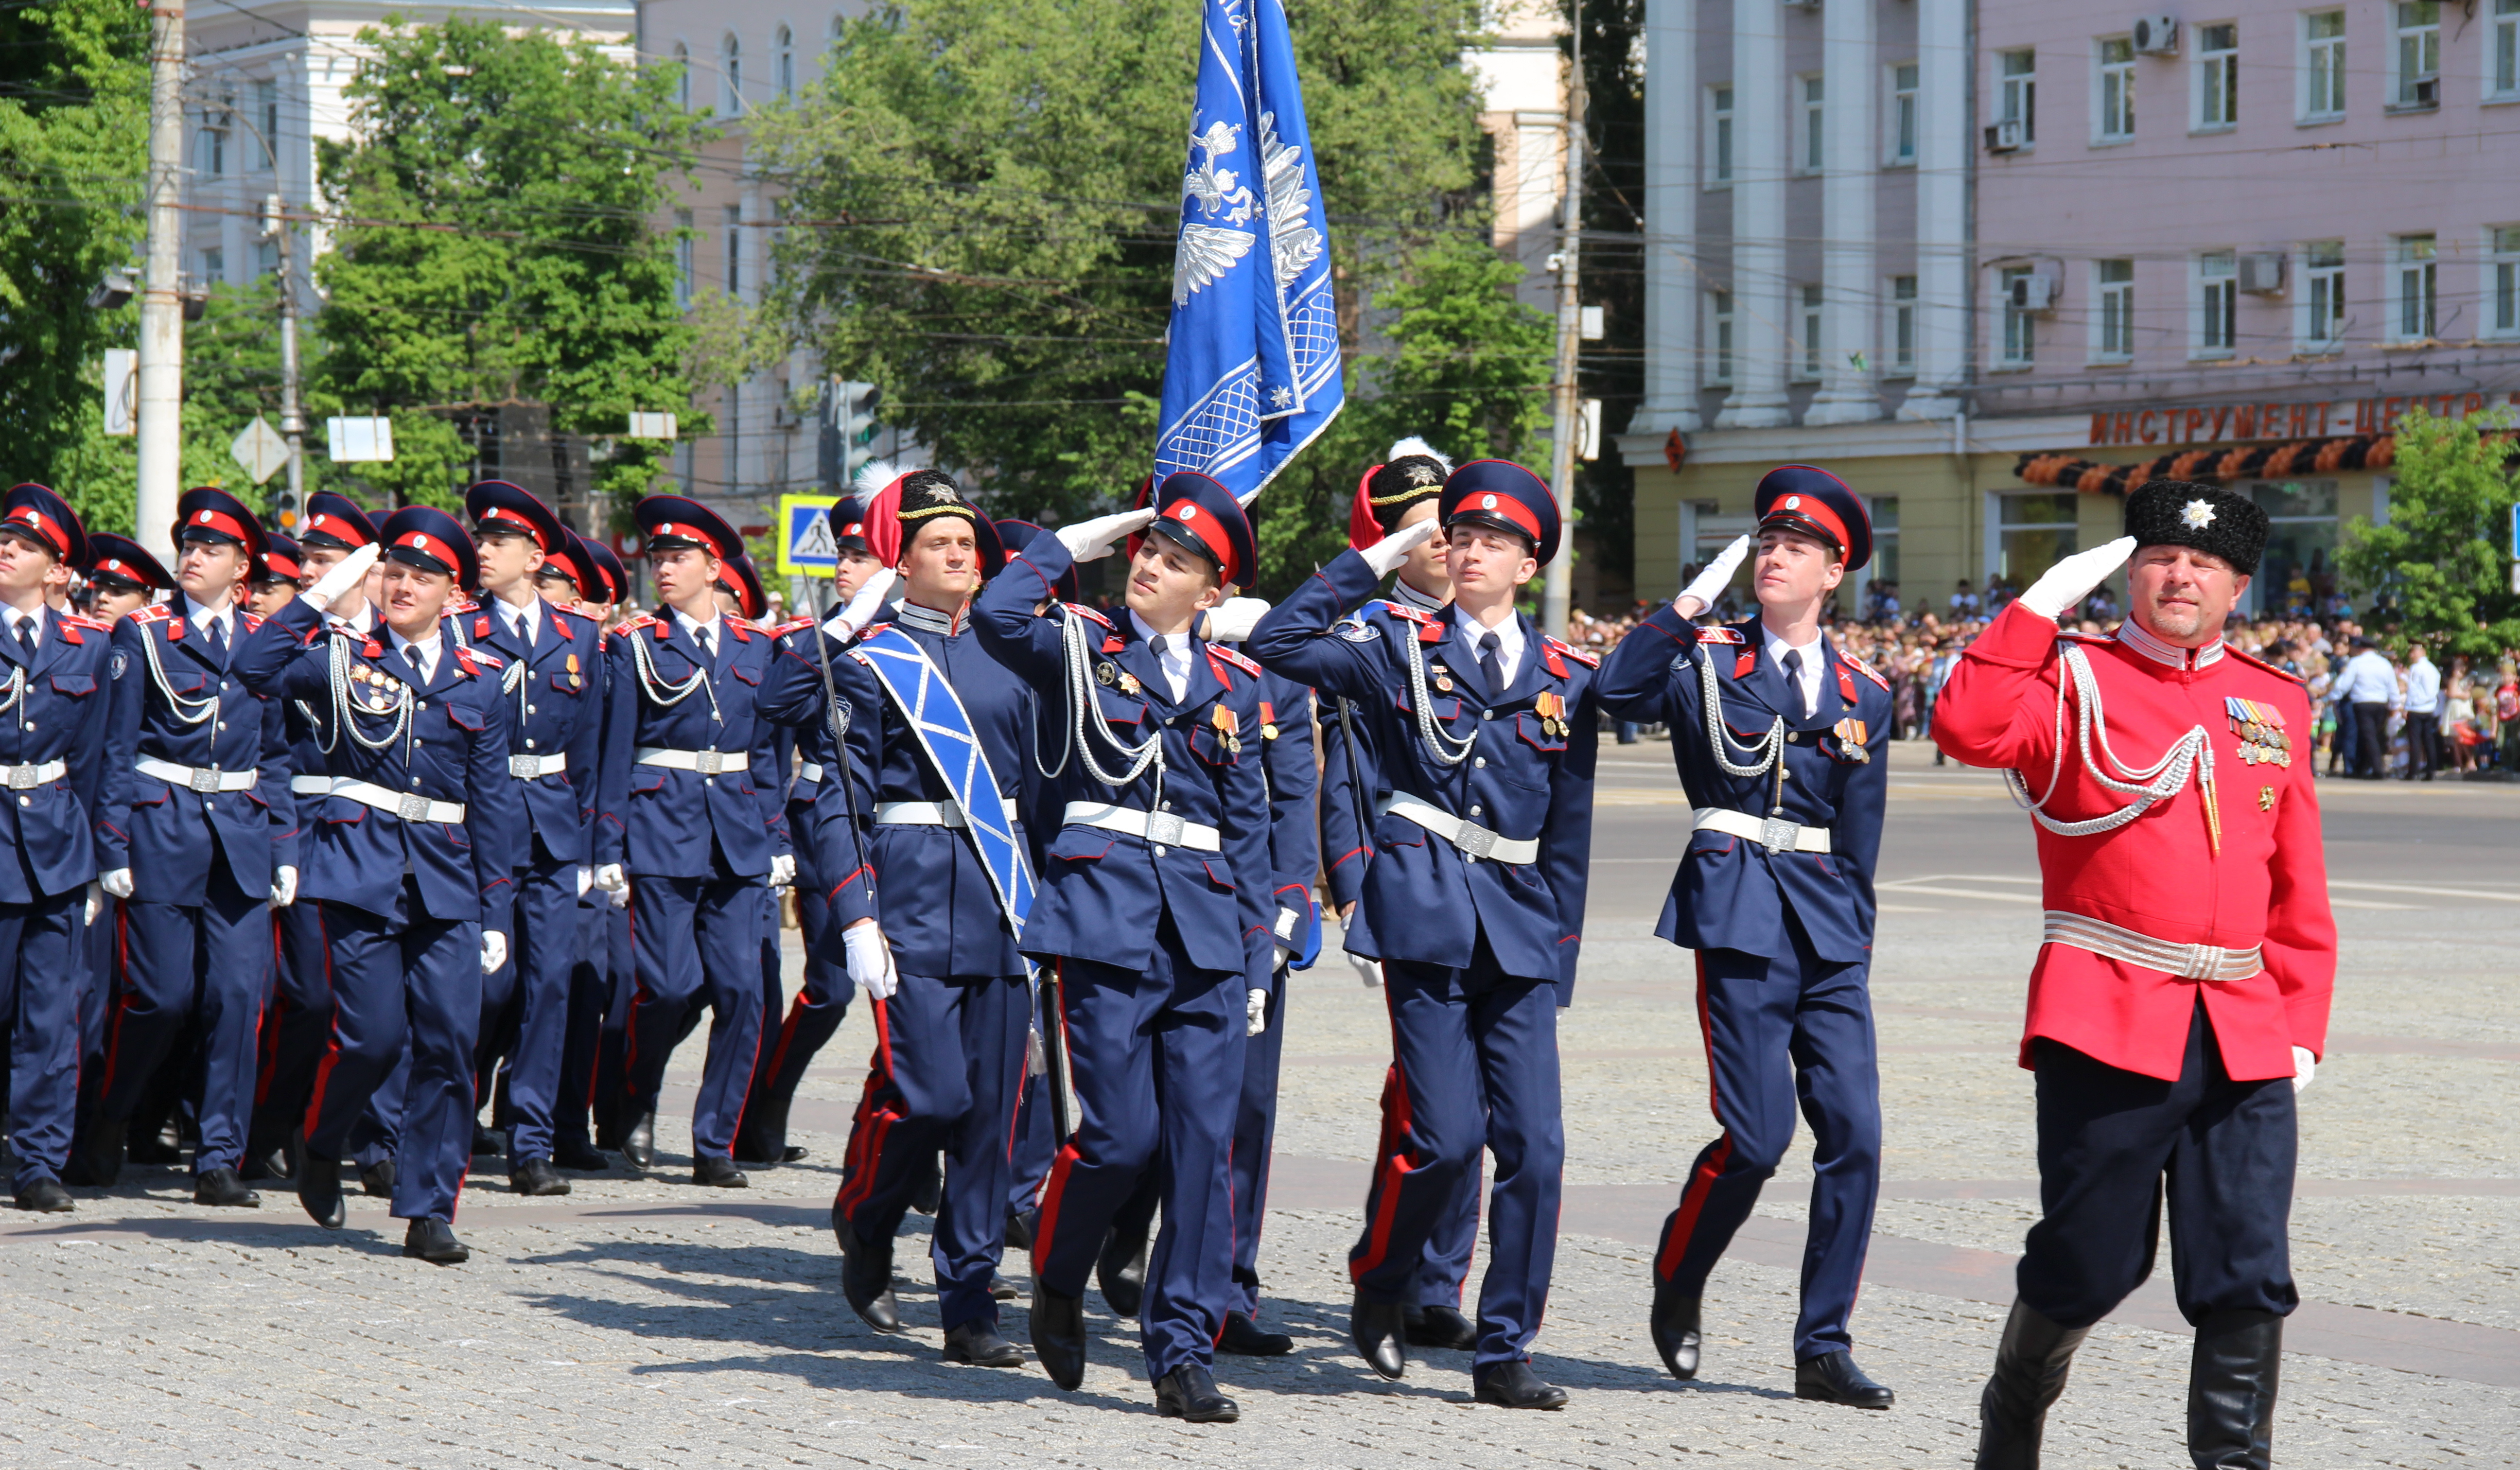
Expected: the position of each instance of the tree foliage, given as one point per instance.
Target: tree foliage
(2445, 555)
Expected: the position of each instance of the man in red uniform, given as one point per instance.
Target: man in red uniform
(2181, 998)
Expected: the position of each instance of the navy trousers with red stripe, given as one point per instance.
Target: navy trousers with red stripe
(525, 1004)
(402, 981)
(42, 987)
(1782, 1033)
(1477, 1051)
(1157, 1058)
(295, 1029)
(789, 1045)
(599, 987)
(1445, 1264)
(697, 941)
(208, 963)
(948, 1065)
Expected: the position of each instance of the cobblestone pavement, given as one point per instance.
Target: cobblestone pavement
(650, 1324)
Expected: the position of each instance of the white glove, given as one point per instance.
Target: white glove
(494, 950)
(1368, 970)
(284, 887)
(95, 901)
(2305, 1067)
(870, 959)
(1700, 595)
(585, 879)
(346, 573)
(783, 870)
(2072, 579)
(1232, 620)
(1387, 555)
(610, 878)
(1255, 1012)
(620, 896)
(116, 881)
(1093, 540)
(850, 622)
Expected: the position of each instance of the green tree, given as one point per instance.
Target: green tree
(2444, 556)
(494, 249)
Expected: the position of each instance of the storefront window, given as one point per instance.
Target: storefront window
(2034, 531)
(2298, 571)
(1885, 539)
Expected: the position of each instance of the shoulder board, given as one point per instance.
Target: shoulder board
(1863, 668)
(1419, 616)
(570, 617)
(155, 612)
(1083, 611)
(1587, 660)
(2255, 662)
(469, 660)
(792, 625)
(741, 626)
(466, 653)
(251, 620)
(463, 605)
(1241, 661)
(82, 620)
(1721, 636)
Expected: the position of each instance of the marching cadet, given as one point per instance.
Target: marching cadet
(53, 709)
(941, 732)
(2181, 998)
(1153, 919)
(194, 822)
(687, 757)
(1775, 893)
(412, 860)
(276, 570)
(830, 852)
(1482, 732)
(121, 577)
(556, 734)
(604, 979)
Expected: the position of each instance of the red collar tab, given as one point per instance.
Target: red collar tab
(1743, 666)
(481, 627)
(1548, 656)
(371, 649)
(1845, 681)
(464, 658)
(1114, 643)
(71, 632)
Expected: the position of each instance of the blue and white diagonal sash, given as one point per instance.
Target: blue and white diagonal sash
(935, 713)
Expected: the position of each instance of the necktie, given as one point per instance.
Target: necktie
(1793, 662)
(219, 640)
(26, 635)
(522, 628)
(410, 655)
(1156, 646)
(708, 643)
(1490, 664)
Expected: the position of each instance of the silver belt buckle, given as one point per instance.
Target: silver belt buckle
(412, 808)
(21, 777)
(1164, 828)
(1475, 840)
(1778, 835)
(708, 762)
(205, 781)
(525, 767)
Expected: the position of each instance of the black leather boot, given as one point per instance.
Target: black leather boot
(2030, 1368)
(2231, 1390)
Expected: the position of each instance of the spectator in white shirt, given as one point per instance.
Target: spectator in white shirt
(2423, 715)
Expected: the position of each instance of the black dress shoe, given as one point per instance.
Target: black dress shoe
(1441, 1327)
(580, 1155)
(1676, 1334)
(1244, 1338)
(865, 1279)
(434, 1241)
(97, 1156)
(927, 1186)
(45, 1195)
(639, 1141)
(319, 1189)
(1378, 1329)
(259, 1167)
(1121, 1273)
(155, 1149)
(222, 1186)
(536, 1176)
(1514, 1385)
(1833, 1378)
(1020, 1224)
(718, 1173)
(1003, 1290)
(378, 1179)
(1188, 1393)
(1058, 1335)
(793, 1153)
(489, 1140)
(979, 1345)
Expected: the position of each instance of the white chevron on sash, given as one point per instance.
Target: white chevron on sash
(935, 715)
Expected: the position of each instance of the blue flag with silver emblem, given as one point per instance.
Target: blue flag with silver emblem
(1252, 366)
(936, 716)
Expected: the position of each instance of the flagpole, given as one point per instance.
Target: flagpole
(1557, 590)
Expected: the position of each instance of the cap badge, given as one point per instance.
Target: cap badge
(2196, 513)
(1487, 502)
(1793, 501)
(1188, 511)
(201, 517)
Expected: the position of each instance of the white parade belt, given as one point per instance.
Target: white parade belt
(1162, 828)
(2189, 961)
(810, 771)
(191, 778)
(1474, 841)
(1774, 834)
(929, 812)
(705, 762)
(28, 777)
(536, 767)
(410, 806)
(311, 786)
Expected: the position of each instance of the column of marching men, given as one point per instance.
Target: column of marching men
(325, 845)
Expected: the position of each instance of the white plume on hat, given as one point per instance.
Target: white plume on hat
(873, 477)
(1419, 448)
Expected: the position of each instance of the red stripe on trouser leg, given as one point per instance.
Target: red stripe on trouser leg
(1046, 1228)
(1394, 1164)
(868, 1129)
(122, 1002)
(333, 1047)
(1692, 1200)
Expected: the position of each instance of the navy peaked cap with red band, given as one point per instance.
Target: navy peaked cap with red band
(1198, 514)
(673, 521)
(280, 560)
(431, 540)
(210, 515)
(1019, 535)
(120, 560)
(336, 520)
(570, 562)
(848, 524)
(738, 575)
(1817, 504)
(1502, 496)
(35, 510)
(616, 577)
(496, 505)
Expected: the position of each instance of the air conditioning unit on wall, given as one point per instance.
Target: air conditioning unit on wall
(2034, 292)
(2156, 35)
(2262, 273)
(2004, 137)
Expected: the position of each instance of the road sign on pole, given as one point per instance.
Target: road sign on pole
(260, 450)
(806, 545)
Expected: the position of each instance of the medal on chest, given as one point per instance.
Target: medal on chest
(2264, 740)
(1550, 707)
(1850, 740)
(1228, 728)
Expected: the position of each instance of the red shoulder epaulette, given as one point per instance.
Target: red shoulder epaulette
(792, 625)
(464, 657)
(1238, 660)
(462, 605)
(1419, 616)
(1081, 611)
(155, 612)
(82, 620)
(561, 615)
(743, 628)
(2255, 662)
(643, 620)
(1865, 669)
(1587, 660)
(251, 620)
(1721, 636)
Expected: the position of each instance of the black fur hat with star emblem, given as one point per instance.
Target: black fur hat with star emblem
(2208, 518)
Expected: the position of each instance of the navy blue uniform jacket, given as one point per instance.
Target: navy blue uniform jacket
(156, 829)
(656, 820)
(1295, 824)
(61, 716)
(555, 691)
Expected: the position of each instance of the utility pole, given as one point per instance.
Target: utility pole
(1566, 422)
(161, 300)
(292, 425)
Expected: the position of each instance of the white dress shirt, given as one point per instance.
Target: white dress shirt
(1509, 643)
(201, 618)
(11, 617)
(2423, 687)
(428, 652)
(703, 634)
(1173, 658)
(1812, 662)
(2368, 679)
(521, 621)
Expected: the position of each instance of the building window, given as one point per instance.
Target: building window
(2017, 91)
(2218, 303)
(735, 249)
(1810, 359)
(2504, 46)
(1719, 133)
(2217, 75)
(266, 116)
(2323, 270)
(2322, 65)
(214, 266)
(1902, 111)
(682, 76)
(266, 259)
(2414, 266)
(2418, 54)
(1886, 540)
(687, 250)
(783, 49)
(2020, 347)
(1815, 137)
(2117, 89)
(2032, 532)
(730, 76)
(1902, 326)
(2503, 281)
(1720, 305)
(2114, 281)
(210, 151)
(2297, 569)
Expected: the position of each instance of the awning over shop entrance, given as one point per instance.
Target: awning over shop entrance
(2256, 461)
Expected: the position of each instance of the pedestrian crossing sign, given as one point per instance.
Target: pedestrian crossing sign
(806, 545)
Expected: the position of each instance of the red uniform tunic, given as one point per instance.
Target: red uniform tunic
(2159, 874)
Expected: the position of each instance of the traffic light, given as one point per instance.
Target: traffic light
(288, 509)
(848, 430)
